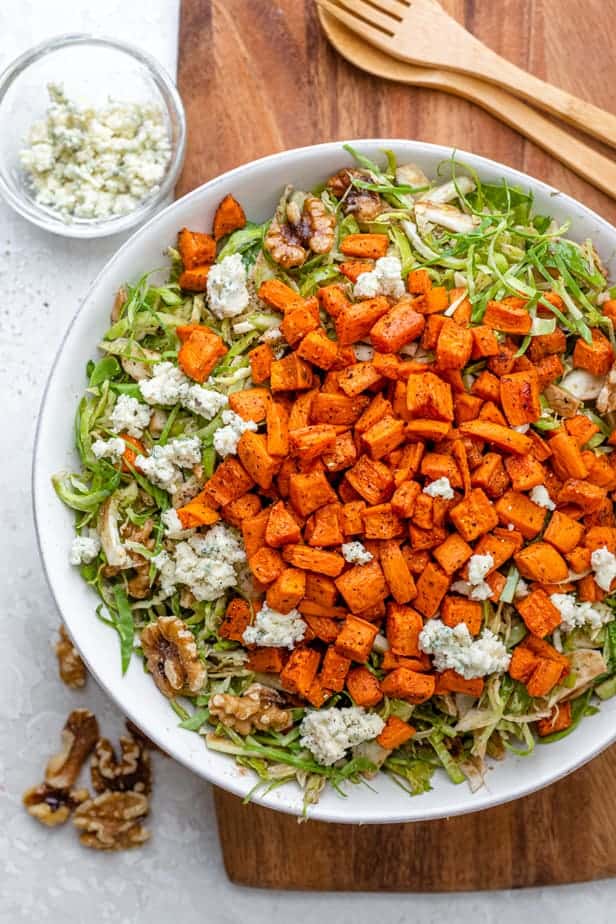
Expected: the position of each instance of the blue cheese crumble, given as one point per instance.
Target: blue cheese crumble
(90, 163)
(455, 649)
(227, 437)
(84, 549)
(130, 416)
(356, 553)
(163, 467)
(274, 629)
(226, 287)
(329, 733)
(168, 386)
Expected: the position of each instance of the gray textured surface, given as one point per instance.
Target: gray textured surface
(46, 875)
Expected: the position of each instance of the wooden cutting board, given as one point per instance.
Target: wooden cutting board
(258, 76)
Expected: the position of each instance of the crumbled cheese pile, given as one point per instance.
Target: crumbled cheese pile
(96, 163)
(384, 279)
(540, 496)
(274, 629)
(603, 563)
(329, 733)
(356, 553)
(205, 564)
(226, 287)
(576, 615)
(476, 588)
(439, 488)
(85, 548)
(163, 467)
(455, 649)
(130, 416)
(168, 385)
(227, 437)
(112, 449)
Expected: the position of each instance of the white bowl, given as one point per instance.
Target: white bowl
(257, 186)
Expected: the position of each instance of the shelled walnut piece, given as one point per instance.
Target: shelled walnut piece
(258, 708)
(79, 736)
(131, 772)
(112, 821)
(52, 806)
(72, 669)
(172, 658)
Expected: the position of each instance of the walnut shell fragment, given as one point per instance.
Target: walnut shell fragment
(52, 806)
(364, 204)
(79, 735)
(111, 821)
(258, 708)
(131, 772)
(72, 669)
(172, 658)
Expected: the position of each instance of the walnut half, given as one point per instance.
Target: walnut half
(52, 806)
(72, 669)
(172, 658)
(258, 708)
(79, 735)
(132, 772)
(112, 821)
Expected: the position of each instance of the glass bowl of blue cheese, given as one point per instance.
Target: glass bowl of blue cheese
(93, 136)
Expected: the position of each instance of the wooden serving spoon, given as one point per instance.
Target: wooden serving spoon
(583, 160)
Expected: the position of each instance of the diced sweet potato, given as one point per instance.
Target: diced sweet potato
(229, 217)
(300, 321)
(253, 454)
(419, 282)
(196, 248)
(485, 343)
(452, 682)
(334, 670)
(542, 563)
(453, 553)
(544, 678)
(455, 610)
(435, 299)
(395, 734)
(199, 353)
(266, 660)
(567, 460)
(399, 578)
(250, 403)
(371, 246)
(502, 437)
(589, 497)
(280, 296)
(248, 505)
(454, 346)
(309, 559)
(403, 627)
(287, 590)
(312, 441)
(525, 472)
(380, 522)
(343, 455)
(362, 586)
(363, 687)
(402, 683)
(538, 612)
(521, 512)
(356, 638)
(596, 357)
(197, 512)
(282, 528)
(310, 491)
(352, 523)
(320, 589)
(519, 395)
(332, 299)
(429, 397)
(236, 620)
(563, 532)
(371, 479)
(404, 498)
(355, 321)
(253, 532)
(229, 481)
(353, 269)
(261, 359)
(491, 476)
(324, 528)
(474, 515)
(357, 378)
(322, 627)
(509, 318)
(318, 349)
(300, 671)
(401, 325)
(432, 586)
(558, 721)
(291, 373)
(337, 409)
(266, 565)
(547, 345)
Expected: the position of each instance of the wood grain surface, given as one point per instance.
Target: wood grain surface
(258, 77)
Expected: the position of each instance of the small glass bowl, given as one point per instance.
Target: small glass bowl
(92, 70)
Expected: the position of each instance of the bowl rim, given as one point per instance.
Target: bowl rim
(173, 104)
(236, 784)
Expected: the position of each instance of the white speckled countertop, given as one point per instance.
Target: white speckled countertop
(46, 876)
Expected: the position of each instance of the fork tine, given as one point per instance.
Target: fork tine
(370, 14)
(372, 35)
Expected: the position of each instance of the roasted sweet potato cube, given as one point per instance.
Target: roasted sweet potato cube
(432, 585)
(196, 248)
(404, 498)
(435, 465)
(525, 472)
(229, 481)
(402, 683)
(455, 610)
(383, 437)
(486, 386)
(309, 559)
(485, 343)
(353, 269)
(453, 553)
(395, 734)
(589, 497)
(287, 590)
(559, 720)
(266, 660)
(312, 441)
(200, 352)
(491, 476)
(280, 296)
(371, 479)
(343, 455)
(567, 460)
(332, 299)
(261, 359)
(282, 528)
(454, 346)
(248, 505)
(378, 408)
(322, 627)
(474, 515)
(523, 663)
(399, 578)
(542, 563)
(466, 407)
(418, 281)
(236, 620)
(596, 357)
(253, 454)
(300, 671)
(310, 491)
(300, 321)
(266, 564)
(519, 397)
(538, 612)
(357, 378)
(318, 349)
(352, 523)
(509, 318)
(334, 670)
(547, 345)
(502, 437)
(291, 373)
(363, 687)
(429, 397)
(253, 532)
(337, 409)
(544, 678)
(356, 638)
(197, 512)
(362, 586)
(500, 545)
(402, 628)
(563, 532)
(320, 589)
(521, 512)
(452, 682)
(401, 325)
(229, 217)
(355, 321)
(325, 526)
(408, 464)
(250, 403)
(423, 514)
(371, 246)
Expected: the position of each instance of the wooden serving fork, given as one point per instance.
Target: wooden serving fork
(422, 33)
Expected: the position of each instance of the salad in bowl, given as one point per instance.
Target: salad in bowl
(346, 479)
